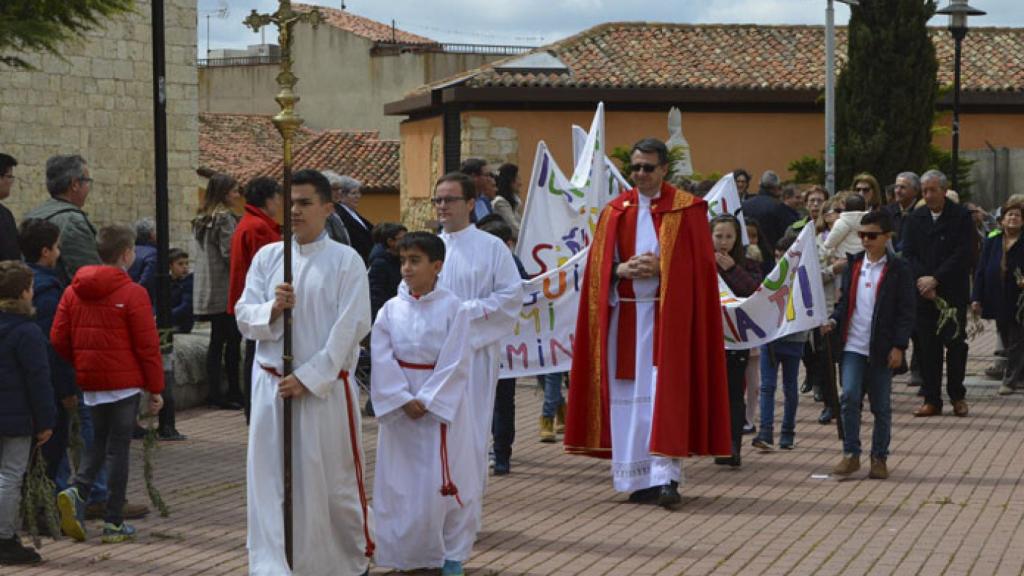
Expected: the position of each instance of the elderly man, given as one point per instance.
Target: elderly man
(347, 192)
(938, 242)
(8, 228)
(908, 191)
(648, 375)
(69, 184)
(773, 216)
(143, 271)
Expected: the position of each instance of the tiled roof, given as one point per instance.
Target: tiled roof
(361, 155)
(743, 57)
(370, 29)
(237, 143)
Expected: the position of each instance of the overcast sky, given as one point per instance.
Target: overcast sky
(537, 22)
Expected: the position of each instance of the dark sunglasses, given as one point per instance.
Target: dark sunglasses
(648, 168)
(870, 235)
(862, 189)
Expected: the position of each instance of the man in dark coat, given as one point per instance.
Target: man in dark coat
(347, 193)
(8, 228)
(773, 216)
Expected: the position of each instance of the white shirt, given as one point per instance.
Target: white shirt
(858, 337)
(108, 396)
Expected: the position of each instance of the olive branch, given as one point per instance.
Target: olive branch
(947, 314)
(37, 498)
(149, 447)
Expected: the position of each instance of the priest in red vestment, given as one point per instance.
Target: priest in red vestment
(648, 381)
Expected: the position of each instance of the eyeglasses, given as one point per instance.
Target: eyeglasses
(445, 200)
(648, 168)
(869, 235)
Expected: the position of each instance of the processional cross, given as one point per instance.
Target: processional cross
(287, 122)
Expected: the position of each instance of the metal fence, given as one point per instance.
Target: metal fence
(449, 48)
(238, 61)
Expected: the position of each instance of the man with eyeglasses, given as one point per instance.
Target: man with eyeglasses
(69, 184)
(480, 270)
(8, 227)
(649, 384)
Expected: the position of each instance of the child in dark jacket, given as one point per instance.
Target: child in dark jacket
(26, 401)
(181, 291)
(105, 327)
(40, 245)
(385, 270)
(874, 316)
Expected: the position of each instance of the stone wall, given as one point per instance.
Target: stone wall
(98, 102)
(482, 139)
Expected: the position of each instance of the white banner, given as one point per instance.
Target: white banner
(791, 299)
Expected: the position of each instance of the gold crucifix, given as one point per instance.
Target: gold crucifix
(286, 121)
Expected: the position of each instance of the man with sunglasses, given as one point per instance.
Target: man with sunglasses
(649, 384)
(875, 316)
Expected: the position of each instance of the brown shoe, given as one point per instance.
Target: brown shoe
(928, 410)
(960, 408)
(848, 465)
(879, 471)
(96, 510)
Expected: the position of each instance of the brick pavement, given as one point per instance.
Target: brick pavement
(954, 505)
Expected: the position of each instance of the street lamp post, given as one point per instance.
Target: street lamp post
(958, 11)
(830, 94)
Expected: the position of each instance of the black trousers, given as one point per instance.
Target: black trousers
(1012, 335)
(55, 448)
(938, 349)
(250, 357)
(224, 353)
(736, 368)
(503, 427)
(166, 422)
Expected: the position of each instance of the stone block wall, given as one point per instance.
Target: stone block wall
(98, 102)
(481, 139)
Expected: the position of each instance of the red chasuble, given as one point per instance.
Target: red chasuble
(691, 409)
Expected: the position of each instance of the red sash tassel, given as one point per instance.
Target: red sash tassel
(448, 488)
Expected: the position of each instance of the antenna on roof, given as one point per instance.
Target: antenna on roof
(393, 41)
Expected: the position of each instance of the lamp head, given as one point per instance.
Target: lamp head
(958, 11)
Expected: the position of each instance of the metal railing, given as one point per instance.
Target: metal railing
(451, 48)
(238, 61)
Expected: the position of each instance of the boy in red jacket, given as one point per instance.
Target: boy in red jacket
(104, 326)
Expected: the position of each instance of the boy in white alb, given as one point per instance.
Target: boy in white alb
(419, 376)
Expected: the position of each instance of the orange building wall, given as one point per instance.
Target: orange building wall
(379, 208)
(1000, 130)
(417, 152)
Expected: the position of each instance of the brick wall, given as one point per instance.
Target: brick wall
(98, 102)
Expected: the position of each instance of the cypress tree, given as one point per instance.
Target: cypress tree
(885, 94)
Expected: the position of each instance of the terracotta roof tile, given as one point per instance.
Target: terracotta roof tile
(370, 29)
(235, 143)
(745, 57)
(361, 155)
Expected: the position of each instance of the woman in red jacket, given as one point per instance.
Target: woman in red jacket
(257, 229)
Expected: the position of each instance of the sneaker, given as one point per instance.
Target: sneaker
(848, 465)
(749, 428)
(13, 552)
(502, 466)
(787, 444)
(1005, 389)
(452, 568)
(114, 533)
(72, 513)
(879, 471)
(826, 415)
(172, 436)
(762, 445)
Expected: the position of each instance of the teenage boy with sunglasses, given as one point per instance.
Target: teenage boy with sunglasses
(875, 316)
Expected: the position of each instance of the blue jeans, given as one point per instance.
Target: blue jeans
(553, 399)
(860, 376)
(99, 485)
(769, 379)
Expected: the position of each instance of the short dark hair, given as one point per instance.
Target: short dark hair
(113, 240)
(319, 182)
(652, 146)
(741, 172)
(496, 225)
(6, 163)
(34, 234)
(15, 278)
(386, 231)
(473, 166)
(854, 203)
(426, 242)
(175, 254)
(261, 189)
(879, 218)
(468, 188)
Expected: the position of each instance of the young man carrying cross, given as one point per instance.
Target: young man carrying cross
(330, 304)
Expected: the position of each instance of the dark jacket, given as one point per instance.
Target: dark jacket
(773, 216)
(743, 279)
(359, 232)
(998, 292)
(899, 217)
(143, 270)
(26, 397)
(385, 276)
(181, 305)
(8, 236)
(893, 318)
(942, 249)
(47, 288)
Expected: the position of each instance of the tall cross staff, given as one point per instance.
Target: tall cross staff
(286, 122)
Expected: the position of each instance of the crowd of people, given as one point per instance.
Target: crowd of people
(419, 315)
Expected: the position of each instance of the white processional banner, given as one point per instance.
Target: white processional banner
(724, 198)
